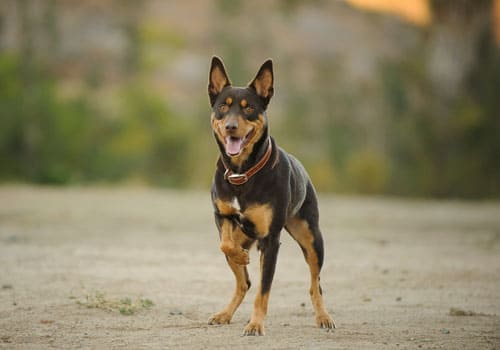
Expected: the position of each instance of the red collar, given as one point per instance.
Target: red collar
(240, 179)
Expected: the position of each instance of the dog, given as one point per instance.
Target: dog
(259, 189)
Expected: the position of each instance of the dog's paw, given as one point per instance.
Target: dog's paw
(240, 257)
(254, 328)
(325, 321)
(220, 318)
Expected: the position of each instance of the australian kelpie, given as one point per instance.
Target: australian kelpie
(258, 190)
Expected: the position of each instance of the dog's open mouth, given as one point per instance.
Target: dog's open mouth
(234, 145)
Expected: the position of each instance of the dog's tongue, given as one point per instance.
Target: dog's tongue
(233, 145)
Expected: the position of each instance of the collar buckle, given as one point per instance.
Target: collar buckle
(237, 179)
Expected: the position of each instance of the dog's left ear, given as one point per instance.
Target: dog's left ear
(263, 82)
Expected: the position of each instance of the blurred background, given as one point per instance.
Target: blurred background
(374, 96)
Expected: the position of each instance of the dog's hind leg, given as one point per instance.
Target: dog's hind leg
(305, 230)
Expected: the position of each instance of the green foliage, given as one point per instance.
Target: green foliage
(367, 172)
(390, 131)
(150, 140)
(125, 306)
(439, 147)
(42, 138)
(48, 139)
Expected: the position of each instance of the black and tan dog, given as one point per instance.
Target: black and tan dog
(257, 190)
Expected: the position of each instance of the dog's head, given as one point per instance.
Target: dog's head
(238, 114)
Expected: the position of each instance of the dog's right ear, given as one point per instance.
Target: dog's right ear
(217, 79)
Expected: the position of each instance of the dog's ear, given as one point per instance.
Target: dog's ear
(217, 79)
(263, 82)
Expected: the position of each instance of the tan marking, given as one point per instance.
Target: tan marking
(231, 241)
(239, 237)
(225, 208)
(257, 128)
(260, 306)
(243, 103)
(261, 216)
(217, 126)
(300, 231)
(256, 324)
(226, 236)
(241, 275)
(229, 101)
(246, 127)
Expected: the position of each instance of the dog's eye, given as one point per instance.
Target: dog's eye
(223, 108)
(248, 110)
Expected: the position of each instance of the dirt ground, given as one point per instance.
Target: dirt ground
(398, 274)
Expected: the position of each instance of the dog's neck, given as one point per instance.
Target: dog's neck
(258, 151)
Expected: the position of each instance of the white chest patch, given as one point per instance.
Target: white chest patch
(235, 204)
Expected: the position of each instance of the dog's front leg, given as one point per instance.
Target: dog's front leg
(232, 242)
(269, 248)
(242, 286)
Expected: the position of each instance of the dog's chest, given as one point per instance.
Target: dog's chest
(259, 215)
(235, 204)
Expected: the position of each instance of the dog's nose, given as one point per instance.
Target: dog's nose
(231, 125)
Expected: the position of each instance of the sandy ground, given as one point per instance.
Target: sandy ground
(398, 274)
